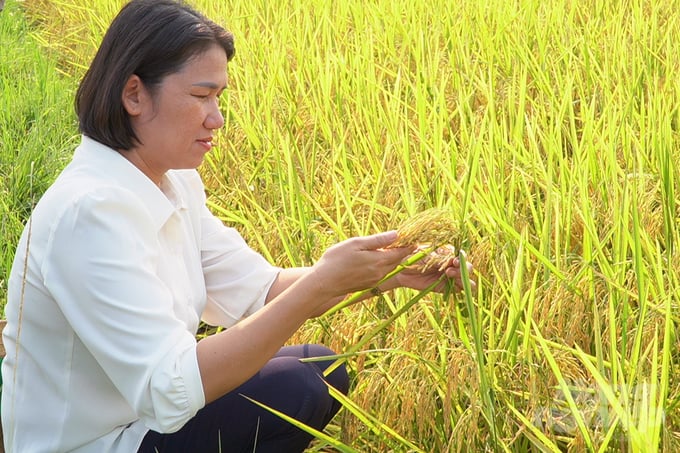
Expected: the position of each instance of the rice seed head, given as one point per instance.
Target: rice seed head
(430, 229)
(433, 227)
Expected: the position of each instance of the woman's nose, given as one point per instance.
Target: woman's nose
(215, 119)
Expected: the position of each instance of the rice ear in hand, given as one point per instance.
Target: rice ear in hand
(431, 229)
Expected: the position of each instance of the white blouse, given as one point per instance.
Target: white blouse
(110, 279)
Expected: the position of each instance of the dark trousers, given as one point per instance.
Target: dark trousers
(234, 424)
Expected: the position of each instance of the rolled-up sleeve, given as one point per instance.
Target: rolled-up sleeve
(173, 392)
(100, 267)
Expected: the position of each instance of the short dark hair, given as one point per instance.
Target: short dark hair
(149, 38)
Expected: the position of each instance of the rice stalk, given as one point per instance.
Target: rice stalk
(339, 446)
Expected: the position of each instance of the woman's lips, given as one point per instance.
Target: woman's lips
(206, 143)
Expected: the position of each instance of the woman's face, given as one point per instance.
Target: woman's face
(176, 122)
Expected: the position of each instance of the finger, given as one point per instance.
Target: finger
(376, 241)
(454, 271)
(456, 277)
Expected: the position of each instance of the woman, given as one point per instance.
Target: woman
(121, 259)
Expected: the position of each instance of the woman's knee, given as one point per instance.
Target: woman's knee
(322, 358)
(294, 388)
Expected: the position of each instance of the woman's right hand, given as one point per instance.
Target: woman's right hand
(356, 264)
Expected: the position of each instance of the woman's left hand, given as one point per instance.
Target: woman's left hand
(415, 278)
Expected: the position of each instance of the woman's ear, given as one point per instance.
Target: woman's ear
(134, 95)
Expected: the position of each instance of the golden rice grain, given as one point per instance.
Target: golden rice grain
(432, 229)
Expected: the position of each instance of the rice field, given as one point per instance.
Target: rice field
(547, 132)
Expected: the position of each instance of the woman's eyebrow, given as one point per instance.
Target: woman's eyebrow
(211, 85)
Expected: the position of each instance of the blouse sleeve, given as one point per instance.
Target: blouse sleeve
(237, 278)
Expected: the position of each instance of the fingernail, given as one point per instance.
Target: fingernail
(392, 235)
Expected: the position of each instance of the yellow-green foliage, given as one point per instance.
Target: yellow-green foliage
(546, 130)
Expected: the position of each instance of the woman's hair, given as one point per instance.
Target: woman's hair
(149, 38)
